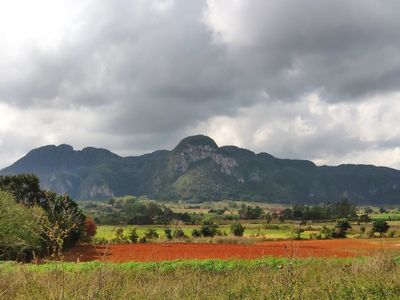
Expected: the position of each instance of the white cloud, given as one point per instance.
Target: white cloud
(315, 82)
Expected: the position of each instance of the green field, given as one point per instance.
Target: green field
(386, 216)
(107, 232)
(268, 278)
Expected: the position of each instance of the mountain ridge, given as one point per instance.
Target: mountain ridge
(197, 169)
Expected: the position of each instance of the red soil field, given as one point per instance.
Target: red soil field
(174, 251)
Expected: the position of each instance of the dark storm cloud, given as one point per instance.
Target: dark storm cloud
(151, 71)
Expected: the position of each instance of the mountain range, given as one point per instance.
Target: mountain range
(198, 170)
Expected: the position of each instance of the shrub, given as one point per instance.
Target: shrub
(119, 235)
(327, 232)
(380, 226)
(296, 233)
(168, 233)
(20, 229)
(63, 222)
(179, 233)
(196, 233)
(90, 227)
(133, 236)
(209, 228)
(151, 234)
(237, 229)
(342, 225)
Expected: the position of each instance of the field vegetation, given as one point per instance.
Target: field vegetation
(269, 278)
(35, 223)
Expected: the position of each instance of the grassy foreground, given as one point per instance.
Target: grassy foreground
(269, 278)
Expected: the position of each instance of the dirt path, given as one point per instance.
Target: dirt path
(173, 251)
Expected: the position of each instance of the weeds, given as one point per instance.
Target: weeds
(270, 278)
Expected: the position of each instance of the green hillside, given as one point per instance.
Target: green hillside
(198, 170)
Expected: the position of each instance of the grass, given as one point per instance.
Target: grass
(107, 232)
(386, 216)
(269, 278)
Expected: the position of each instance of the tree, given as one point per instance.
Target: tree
(287, 213)
(65, 224)
(209, 228)
(133, 235)
(364, 218)
(237, 229)
(368, 210)
(178, 233)
(342, 225)
(151, 234)
(380, 226)
(25, 188)
(196, 233)
(168, 233)
(20, 229)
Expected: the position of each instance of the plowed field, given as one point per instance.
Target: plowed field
(173, 251)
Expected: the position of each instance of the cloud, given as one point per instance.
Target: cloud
(135, 76)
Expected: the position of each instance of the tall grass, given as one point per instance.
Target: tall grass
(274, 278)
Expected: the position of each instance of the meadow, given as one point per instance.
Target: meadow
(107, 232)
(268, 278)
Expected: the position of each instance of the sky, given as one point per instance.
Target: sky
(316, 79)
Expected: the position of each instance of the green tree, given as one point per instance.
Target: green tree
(368, 210)
(380, 226)
(133, 235)
(209, 228)
(168, 233)
(65, 222)
(341, 228)
(237, 229)
(25, 188)
(151, 234)
(178, 233)
(196, 233)
(20, 229)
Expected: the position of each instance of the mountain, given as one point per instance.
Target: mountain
(198, 170)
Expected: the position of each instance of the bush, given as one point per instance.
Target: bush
(179, 233)
(327, 232)
(380, 226)
(133, 236)
(119, 235)
(62, 224)
(296, 233)
(196, 233)
(90, 227)
(151, 234)
(342, 225)
(237, 229)
(209, 228)
(20, 229)
(168, 233)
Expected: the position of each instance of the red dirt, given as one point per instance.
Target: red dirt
(173, 251)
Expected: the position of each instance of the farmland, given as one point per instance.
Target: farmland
(143, 248)
(269, 278)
